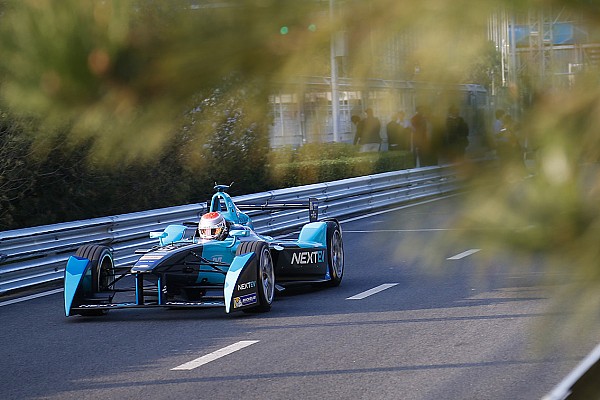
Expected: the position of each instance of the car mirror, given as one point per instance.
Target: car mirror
(239, 233)
(158, 235)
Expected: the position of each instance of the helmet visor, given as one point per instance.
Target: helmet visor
(210, 233)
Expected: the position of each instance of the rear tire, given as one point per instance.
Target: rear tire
(101, 258)
(265, 272)
(335, 253)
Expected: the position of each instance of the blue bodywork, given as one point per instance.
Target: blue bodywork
(183, 270)
(75, 279)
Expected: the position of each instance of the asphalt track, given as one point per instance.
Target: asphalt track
(394, 329)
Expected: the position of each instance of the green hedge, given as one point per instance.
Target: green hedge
(66, 186)
(331, 162)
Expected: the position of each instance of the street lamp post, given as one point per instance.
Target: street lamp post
(335, 102)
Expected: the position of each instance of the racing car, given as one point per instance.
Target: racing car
(219, 261)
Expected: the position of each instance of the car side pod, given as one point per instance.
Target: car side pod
(76, 272)
(315, 232)
(241, 287)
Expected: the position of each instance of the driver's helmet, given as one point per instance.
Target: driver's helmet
(212, 226)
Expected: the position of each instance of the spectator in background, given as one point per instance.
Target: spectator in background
(498, 123)
(355, 119)
(368, 136)
(392, 129)
(421, 136)
(457, 134)
(398, 132)
(508, 146)
(497, 127)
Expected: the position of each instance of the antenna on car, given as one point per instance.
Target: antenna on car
(222, 188)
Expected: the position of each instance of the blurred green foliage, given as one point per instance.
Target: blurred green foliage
(122, 72)
(122, 98)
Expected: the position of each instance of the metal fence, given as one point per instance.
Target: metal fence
(38, 255)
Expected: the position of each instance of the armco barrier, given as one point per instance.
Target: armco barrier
(582, 383)
(38, 255)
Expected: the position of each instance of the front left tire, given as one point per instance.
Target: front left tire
(265, 274)
(101, 258)
(103, 265)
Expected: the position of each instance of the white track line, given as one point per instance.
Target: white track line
(400, 230)
(30, 297)
(463, 254)
(343, 221)
(214, 355)
(370, 292)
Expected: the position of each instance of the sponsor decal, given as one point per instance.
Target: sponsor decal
(109, 305)
(148, 257)
(247, 285)
(308, 257)
(245, 300)
(217, 258)
(194, 303)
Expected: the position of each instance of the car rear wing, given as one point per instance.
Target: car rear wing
(312, 206)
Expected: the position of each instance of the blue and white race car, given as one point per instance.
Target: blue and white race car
(219, 262)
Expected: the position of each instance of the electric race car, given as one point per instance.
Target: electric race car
(219, 262)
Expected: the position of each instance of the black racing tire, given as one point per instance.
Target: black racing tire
(102, 268)
(335, 253)
(265, 272)
(103, 265)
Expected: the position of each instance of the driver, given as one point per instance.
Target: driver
(212, 226)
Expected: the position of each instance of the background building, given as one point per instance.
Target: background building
(542, 49)
(372, 64)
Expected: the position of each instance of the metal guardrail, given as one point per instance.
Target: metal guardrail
(38, 255)
(582, 383)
